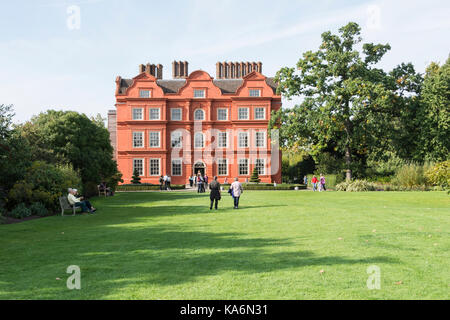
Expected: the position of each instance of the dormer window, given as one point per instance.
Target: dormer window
(199, 93)
(144, 93)
(255, 93)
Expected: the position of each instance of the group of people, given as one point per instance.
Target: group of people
(317, 184)
(164, 182)
(215, 194)
(200, 182)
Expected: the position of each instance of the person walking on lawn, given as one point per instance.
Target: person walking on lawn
(236, 191)
(322, 183)
(214, 194)
(314, 182)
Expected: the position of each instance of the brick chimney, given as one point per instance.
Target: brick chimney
(180, 69)
(236, 70)
(154, 70)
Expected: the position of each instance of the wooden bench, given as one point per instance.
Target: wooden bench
(65, 205)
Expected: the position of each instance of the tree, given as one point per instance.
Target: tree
(345, 97)
(255, 176)
(135, 179)
(71, 137)
(435, 116)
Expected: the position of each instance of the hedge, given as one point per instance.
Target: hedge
(146, 187)
(270, 186)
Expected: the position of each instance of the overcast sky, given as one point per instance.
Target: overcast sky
(50, 59)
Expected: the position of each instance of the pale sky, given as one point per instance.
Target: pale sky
(49, 59)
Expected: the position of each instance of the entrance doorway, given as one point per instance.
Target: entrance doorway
(199, 167)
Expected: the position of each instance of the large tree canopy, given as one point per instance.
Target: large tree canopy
(345, 97)
(67, 136)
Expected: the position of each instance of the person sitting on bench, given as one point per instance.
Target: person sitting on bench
(79, 202)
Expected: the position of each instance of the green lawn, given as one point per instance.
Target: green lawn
(170, 246)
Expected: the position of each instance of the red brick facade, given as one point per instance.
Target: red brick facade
(181, 127)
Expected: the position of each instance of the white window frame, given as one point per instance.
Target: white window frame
(171, 114)
(250, 91)
(226, 114)
(141, 91)
(172, 134)
(263, 168)
(263, 113)
(199, 90)
(239, 139)
(247, 165)
(219, 139)
(218, 167)
(264, 139)
(181, 167)
(239, 113)
(143, 166)
(132, 113)
(150, 167)
(150, 139)
(197, 134)
(150, 113)
(142, 136)
(203, 114)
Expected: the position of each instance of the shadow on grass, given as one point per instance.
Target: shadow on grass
(114, 257)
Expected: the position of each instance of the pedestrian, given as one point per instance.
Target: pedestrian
(322, 182)
(199, 183)
(161, 183)
(206, 181)
(314, 182)
(214, 194)
(165, 181)
(169, 180)
(191, 181)
(305, 180)
(236, 191)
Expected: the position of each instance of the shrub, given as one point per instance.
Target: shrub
(411, 176)
(38, 209)
(20, 211)
(360, 186)
(342, 186)
(146, 187)
(439, 174)
(43, 183)
(136, 179)
(255, 176)
(90, 189)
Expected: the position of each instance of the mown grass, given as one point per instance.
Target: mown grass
(170, 246)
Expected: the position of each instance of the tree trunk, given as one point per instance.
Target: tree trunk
(348, 162)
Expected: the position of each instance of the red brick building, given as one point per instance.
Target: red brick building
(195, 123)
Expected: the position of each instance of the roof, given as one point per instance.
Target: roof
(172, 86)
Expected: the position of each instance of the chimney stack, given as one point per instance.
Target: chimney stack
(180, 69)
(154, 70)
(236, 70)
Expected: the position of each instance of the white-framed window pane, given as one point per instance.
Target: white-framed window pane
(223, 140)
(199, 93)
(138, 114)
(243, 167)
(176, 139)
(260, 113)
(199, 141)
(154, 113)
(243, 139)
(222, 114)
(154, 139)
(222, 167)
(138, 139)
(243, 114)
(255, 92)
(260, 166)
(144, 93)
(138, 164)
(260, 139)
(176, 167)
(175, 114)
(199, 114)
(154, 167)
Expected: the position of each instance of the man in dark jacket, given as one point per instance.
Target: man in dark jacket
(214, 194)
